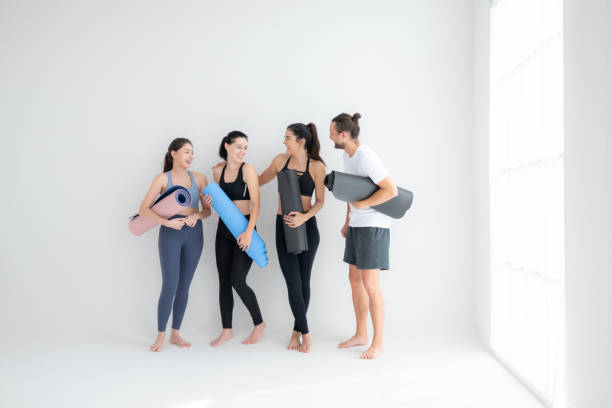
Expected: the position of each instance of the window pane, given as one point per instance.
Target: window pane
(526, 187)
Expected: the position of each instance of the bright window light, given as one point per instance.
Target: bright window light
(526, 191)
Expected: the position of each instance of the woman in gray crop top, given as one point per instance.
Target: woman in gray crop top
(180, 238)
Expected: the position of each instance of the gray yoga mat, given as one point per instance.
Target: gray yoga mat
(351, 188)
(289, 190)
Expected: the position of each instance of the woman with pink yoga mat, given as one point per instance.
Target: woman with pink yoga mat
(180, 238)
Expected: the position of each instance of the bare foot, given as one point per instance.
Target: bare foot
(159, 342)
(354, 341)
(255, 334)
(371, 353)
(306, 344)
(178, 340)
(226, 334)
(294, 343)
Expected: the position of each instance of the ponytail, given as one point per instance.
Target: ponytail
(311, 139)
(175, 145)
(315, 146)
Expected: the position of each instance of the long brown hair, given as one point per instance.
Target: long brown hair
(309, 134)
(175, 145)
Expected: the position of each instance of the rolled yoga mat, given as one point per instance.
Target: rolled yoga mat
(171, 202)
(288, 187)
(351, 188)
(236, 222)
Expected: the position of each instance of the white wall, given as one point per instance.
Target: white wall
(93, 92)
(588, 185)
(480, 169)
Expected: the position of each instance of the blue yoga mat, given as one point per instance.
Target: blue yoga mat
(236, 222)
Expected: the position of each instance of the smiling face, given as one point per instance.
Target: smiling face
(237, 149)
(292, 143)
(339, 138)
(183, 156)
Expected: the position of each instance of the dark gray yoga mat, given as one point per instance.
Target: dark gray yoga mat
(351, 188)
(289, 190)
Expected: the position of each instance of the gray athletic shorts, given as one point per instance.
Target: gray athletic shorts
(367, 247)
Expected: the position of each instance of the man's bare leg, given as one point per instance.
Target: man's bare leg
(377, 311)
(360, 303)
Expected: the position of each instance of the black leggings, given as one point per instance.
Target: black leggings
(296, 270)
(233, 265)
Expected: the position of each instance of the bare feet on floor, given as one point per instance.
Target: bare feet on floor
(356, 340)
(294, 343)
(255, 334)
(178, 340)
(226, 334)
(306, 344)
(159, 342)
(371, 353)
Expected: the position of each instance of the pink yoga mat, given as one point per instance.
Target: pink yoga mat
(171, 202)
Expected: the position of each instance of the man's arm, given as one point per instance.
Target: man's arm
(386, 192)
(344, 229)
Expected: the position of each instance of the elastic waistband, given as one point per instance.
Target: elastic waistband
(181, 216)
(222, 228)
(186, 229)
(311, 219)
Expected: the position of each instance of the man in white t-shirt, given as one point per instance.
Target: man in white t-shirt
(367, 233)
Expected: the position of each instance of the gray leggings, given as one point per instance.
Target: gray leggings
(179, 254)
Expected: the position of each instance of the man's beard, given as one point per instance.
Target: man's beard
(339, 146)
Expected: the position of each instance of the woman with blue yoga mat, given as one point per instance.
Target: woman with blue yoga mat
(302, 155)
(180, 238)
(239, 181)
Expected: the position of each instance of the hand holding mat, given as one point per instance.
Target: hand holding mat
(351, 188)
(236, 222)
(171, 202)
(291, 200)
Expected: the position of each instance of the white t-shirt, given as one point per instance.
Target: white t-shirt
(365, 162)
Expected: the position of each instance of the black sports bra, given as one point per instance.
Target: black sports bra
(306, 183)
(237, 189)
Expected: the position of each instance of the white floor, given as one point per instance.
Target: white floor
(120, 371)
